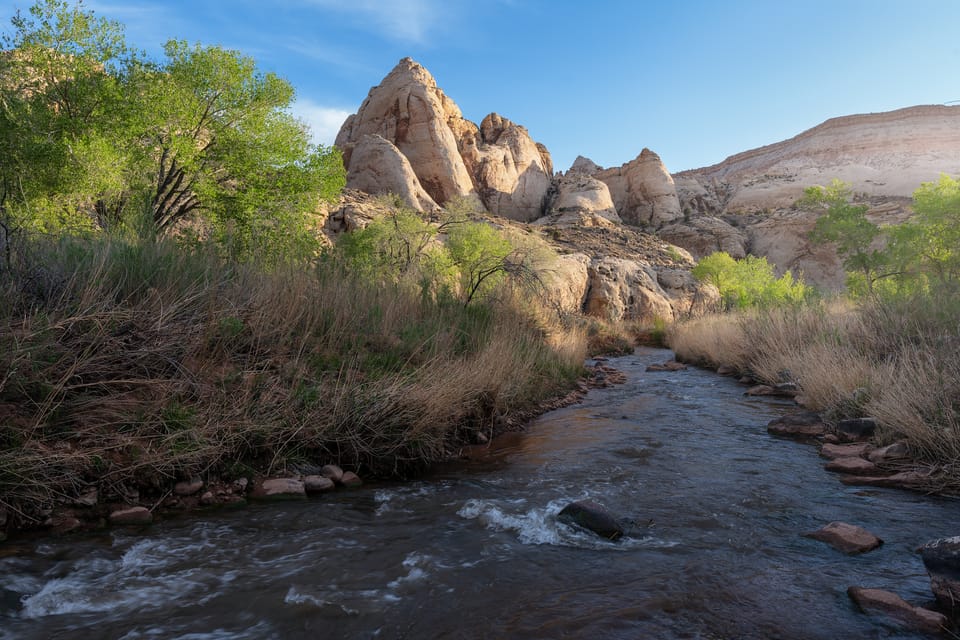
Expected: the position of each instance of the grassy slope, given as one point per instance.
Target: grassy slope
(133, 366)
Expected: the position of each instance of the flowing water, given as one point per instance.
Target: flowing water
(475, 551)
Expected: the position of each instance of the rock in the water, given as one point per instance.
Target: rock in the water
(903, 480)
(942, 560)
(188, 487)
(333, 472)
(280, 489)
(350, 479)
(894, 605)
(853, 466)
(591, 516)
(726, 370)
(798, 425)
(317, 484)
(845, 537)
(131, 515)
(856, 429)
(834, 451)
(670, 365)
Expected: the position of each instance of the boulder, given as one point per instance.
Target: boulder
(377, 167)
(621, 288)
(409, 110)
(188, 487)
(895, 451)
(131, 516)
(895, 606)
(577, 199)
(566, 281)
(834, 451)
(643, 191)
(702, 236)
(917, 480)
(317, 484)
(351, 480)
(279, 489)
(333, 472)
(670, 365)
(846, 538)
(856, 429)
(799, 425)
(853, 466)
(593, 517)
(942, 561)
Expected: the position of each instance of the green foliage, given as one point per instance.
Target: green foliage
(95, 136)
(846, 225)
(928, 245)
(750, 282)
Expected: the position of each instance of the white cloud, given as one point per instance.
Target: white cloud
(404, 20)
(324, 121)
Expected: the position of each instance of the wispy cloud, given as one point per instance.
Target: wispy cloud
(324, 121)
(404, 20)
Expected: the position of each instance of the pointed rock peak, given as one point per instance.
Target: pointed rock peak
(648, 156)
(584, 165)
(493, 126)
(411, 71)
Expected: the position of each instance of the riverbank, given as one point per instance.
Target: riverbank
(892, 362)
(131, 367)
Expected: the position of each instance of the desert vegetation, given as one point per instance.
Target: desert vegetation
(888, 350)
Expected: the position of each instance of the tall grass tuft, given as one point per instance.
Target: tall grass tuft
(134, 365)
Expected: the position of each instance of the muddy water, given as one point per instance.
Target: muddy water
(475, 551)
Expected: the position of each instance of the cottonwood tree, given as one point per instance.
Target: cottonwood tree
(92, 132)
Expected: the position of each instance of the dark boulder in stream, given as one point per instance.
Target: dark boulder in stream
(942, 560)
(592, 516)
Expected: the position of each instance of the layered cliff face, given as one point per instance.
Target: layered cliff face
(879, 154)
(884, 157)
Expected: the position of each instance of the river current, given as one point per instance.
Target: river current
(717, 508)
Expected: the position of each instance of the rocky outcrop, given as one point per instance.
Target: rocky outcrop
(512, 173)
(449, 156)
(798, 425)
(643, 191)
(880, 154)
(581, 200)
(378, 167)
(355, 210)
(567, 282)
(705, 235)
(631, 289)
(408, 109)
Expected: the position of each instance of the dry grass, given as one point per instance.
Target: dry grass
(130, 367)
(898, 362)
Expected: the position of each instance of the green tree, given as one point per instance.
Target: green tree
(845, 224)
(928, 245)
(91, 131)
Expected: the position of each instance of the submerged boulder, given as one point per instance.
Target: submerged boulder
(847, 538)
(893, 605)
(593, 517)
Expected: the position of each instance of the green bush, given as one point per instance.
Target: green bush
(750, 282)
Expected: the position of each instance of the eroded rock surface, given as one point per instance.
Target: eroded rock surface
(643, 191)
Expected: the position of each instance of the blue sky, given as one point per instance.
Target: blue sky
(694, 80)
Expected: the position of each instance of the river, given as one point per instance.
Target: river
(475, 551)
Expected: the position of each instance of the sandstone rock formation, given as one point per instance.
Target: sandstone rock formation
(408, 109)
(881, 154)
(701, 236)
(632, 289)
(579, 199)
(512, 173)
(378, 167)
(643, 190)
(449, 155)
